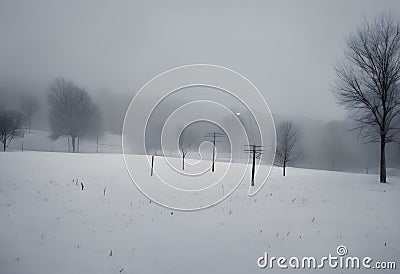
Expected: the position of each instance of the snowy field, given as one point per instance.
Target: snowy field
(49, 225)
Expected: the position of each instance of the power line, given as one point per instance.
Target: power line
(214, 136)
(255, 151)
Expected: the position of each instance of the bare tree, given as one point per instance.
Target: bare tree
(10, 125)
(183, 147)
(72, 112)
(368, 82)
(29, 106)
(287, 137)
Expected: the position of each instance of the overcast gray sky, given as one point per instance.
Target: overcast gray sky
(287, 49)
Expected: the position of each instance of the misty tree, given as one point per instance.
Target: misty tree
(29, 106)
(287, 137)
(368, 82)
(72, 112)
(10, 126)
(184, 147)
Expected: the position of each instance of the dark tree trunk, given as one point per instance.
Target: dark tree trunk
(73, 144)
(382, 177)
(183, 162)
(284, 168)
(69, 147)
(29, 125)
(4, 146)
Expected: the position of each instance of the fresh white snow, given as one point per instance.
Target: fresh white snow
(49, 225)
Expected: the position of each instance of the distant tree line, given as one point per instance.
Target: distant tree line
(72, 114)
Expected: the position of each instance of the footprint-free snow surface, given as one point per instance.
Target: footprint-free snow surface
(50, 225)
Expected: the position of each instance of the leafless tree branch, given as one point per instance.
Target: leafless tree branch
(368, 82)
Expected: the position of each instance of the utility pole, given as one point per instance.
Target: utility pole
(214, 136)
(255, 151)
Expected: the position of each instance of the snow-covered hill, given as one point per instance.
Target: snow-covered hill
(49, 225)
